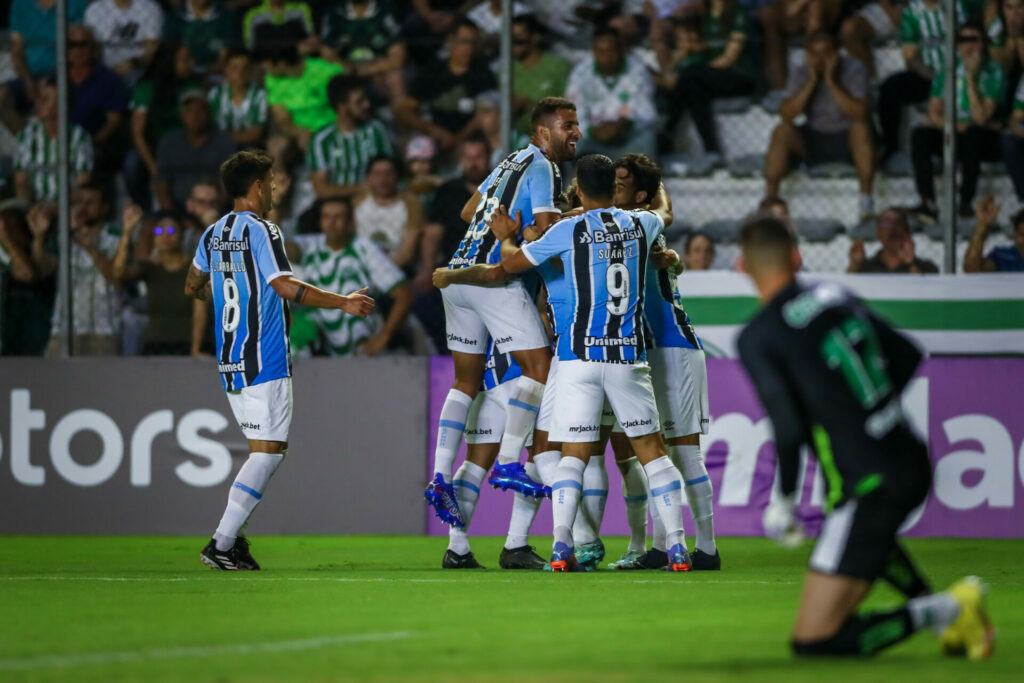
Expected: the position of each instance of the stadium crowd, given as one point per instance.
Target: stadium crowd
(383, 118)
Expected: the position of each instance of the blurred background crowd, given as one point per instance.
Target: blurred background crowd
(384, 116)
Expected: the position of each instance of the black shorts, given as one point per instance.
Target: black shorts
(857, 536)
(825, 148)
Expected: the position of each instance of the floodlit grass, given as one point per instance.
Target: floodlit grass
(380, 608)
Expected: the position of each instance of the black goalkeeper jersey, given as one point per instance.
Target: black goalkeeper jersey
(830, 374)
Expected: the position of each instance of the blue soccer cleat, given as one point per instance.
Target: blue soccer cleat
(441, 496)
(590, 554)
(563, 558)
(513, 476)
(678, 559)
(628, 558)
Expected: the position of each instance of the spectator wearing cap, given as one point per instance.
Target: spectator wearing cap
(488, 121)
(897, 252)
(536, 73)
(99, 100)
(207, 28)
(156, 112)
(129, 31)
(35, 174)
(389, 217)
(419, 167)
(442, 101)
(614, 96)
(831, 90)
(274, 23)
(338, 154)
(999, 259)
(33, 37)
(297, 95)
(194, 151)
(366, 37)
(698, 251)
(238, 103)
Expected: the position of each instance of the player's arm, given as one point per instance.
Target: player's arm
(469, 210)
(294, 289)
(197, 284)
(541, 223)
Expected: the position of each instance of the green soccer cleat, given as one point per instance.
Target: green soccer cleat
(628, 557)
(590, 554)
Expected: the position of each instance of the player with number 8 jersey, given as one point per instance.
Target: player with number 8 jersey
(241, 266)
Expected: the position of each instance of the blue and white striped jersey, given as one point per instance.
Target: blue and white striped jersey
(604, 255)
(526, 181)
(499, 368)
(667, 322)
(243, 253)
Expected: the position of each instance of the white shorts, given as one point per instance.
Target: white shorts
(580, 393)
(879, 20)
(547, 403)
(485, 422)
(507, 314)
(681, 388)
(264, 411)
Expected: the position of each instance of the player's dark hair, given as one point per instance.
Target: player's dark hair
(547, 107)
(766, 242)
(646, 174)
(693, 236)
(374, 160)
(595, 176)
(340, 87)
(242, 169)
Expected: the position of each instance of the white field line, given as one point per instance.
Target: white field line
(344, 579)
(57, 661)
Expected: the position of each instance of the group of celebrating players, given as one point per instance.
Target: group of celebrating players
(616, 358)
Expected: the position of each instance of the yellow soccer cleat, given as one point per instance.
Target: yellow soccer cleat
(972, 633)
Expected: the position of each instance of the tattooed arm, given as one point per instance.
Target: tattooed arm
(197, 285)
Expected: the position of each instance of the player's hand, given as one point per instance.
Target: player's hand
(440, 278)
(780, 523)
(357, 303)
(502, 225)
(663, 258)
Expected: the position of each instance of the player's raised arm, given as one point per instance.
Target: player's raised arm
(293, 289)
(661, 204)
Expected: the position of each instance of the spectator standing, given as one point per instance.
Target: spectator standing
(168, 330)
(832, 91)
(99, 100)
(340, 260)
(922, 34)
(536, 73)
(275, 23)
(447, 92)
(979, 90)
(297, 95)
(26, 298)
(366, 37)
(897, 252)
(95, 295)
(1013, 143)
(339, 153)
(35, 174)
(129, 31)
(874, 21)
(193, 152)
(238, 104)
(390, 218)
(614, 97)
(998, 259)
(698, 251)
(33, 36)
(717, 65)
(208, 29)
(155, 112)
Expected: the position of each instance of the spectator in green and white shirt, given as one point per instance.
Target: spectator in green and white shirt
(338, 154)
(980, 87)
(922, 35)
(339, 260)
(35, 174)
(238, 104)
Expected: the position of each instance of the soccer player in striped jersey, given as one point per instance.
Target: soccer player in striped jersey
(601, 348)
(241, 266)
(238, 104)
(527, 182)
(485, 423)
(678, 373)
(339, 154)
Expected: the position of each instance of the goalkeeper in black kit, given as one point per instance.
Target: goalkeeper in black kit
(830, 374)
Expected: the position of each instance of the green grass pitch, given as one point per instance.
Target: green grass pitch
(380, 608)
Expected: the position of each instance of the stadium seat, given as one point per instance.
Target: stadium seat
(818, 229)
(690, 165)
(722, 230)
(937, 231)
(865, 230)
(747, 166)
(831, 170)
(677, 232)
